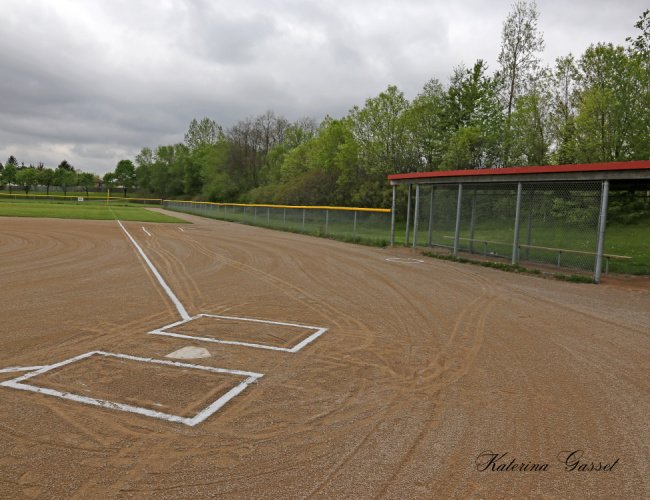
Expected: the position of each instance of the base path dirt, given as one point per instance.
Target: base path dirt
(433, 380)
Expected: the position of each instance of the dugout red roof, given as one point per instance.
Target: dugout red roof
(589, 171)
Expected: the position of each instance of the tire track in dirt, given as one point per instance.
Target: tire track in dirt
(460, 351)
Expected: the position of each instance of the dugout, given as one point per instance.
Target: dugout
(554, 215)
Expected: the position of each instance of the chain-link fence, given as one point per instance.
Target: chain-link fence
(76, 197)
(364, 225)
(557, 225)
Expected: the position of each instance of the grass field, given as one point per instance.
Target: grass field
(28, 208)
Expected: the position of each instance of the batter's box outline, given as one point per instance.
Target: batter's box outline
(165, 330)
(250, 377)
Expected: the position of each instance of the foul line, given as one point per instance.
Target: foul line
(168, 291)
(148, 233)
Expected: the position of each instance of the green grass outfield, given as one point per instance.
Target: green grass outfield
(82, 210)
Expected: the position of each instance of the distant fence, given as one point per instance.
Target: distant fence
(368, 225)
(78, 198)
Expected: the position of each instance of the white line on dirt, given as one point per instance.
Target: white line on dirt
(165, 286)
(251, 377)
(148, 233)
(165, 331)
(182, 230)
(21, 369)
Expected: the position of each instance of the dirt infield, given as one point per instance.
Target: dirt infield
(428, 374)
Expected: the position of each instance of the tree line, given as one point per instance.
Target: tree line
(64, 176)
(591, 108)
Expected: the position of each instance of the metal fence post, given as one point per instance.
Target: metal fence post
(284, 217)
(303, 219)
(602, 223)
(416, 215)
(392, 218)
(354, 227)
(515, 241)
(458, 211)
(408, 217)
(327, 219)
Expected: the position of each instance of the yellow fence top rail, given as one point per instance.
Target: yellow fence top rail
(309, 207)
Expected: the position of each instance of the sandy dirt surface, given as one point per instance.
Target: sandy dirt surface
(427, 370)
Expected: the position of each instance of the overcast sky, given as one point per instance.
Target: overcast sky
(94, 81)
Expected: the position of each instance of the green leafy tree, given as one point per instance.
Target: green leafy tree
(109, 181)
(9, 175)
(64, 165)
(87, 180)
(639, 53)
(473, 119)
(26, 178)
(608, 105)
(521, 43)
(385, 145)
(46, 178)
(64, 178)
(204, 132)
(564, 97)
(426, 121)
(125, 175)
(143, 162)
(530, 124)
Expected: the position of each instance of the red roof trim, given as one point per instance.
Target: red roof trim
(548, 169)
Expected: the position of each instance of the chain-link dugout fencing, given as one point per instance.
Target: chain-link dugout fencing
(558, 223)
(367, 225)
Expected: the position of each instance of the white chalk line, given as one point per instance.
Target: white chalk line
(251, 377)
(181, 229)
(14, 369)
(203, 414)
(168, 291)
(165, 331)
(404, 260)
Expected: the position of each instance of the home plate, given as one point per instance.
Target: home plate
(189, 353)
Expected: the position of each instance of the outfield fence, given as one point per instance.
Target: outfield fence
(368, 225)
(78, 198)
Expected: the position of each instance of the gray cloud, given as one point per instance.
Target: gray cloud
(94, 81)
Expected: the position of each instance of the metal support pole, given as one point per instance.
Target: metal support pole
(602, 223)
(392, 217)
(327, 219)
(268, 215)
(430, 235)
(408, 217)
(416, 215)
(354, 227)
(303, 219)
(458, 211)
(284, 216)
(515, 240)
